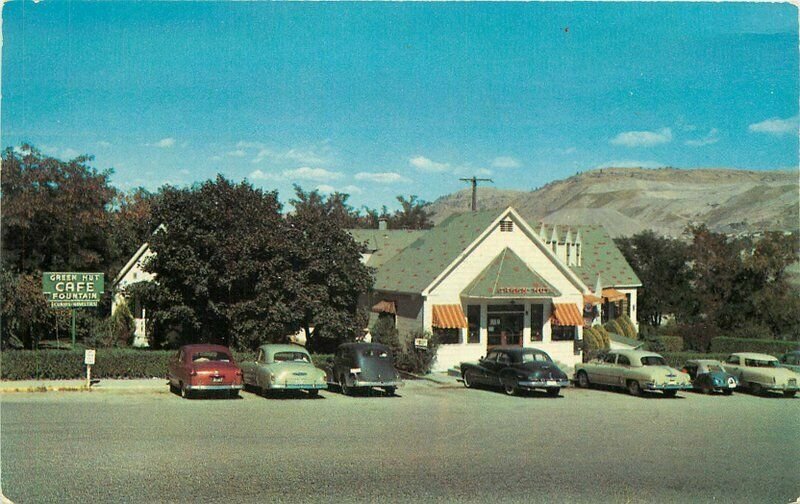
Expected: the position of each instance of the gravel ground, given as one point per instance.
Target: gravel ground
(429, 444)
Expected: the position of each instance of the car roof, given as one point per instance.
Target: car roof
(704, 362)
(205, 347)
(364, 345)
(515, 349)
(752, 355)
(282, 347)
(635, 354)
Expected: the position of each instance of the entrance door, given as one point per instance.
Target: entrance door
(505, 324)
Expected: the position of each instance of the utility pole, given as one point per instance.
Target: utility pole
(474, 182)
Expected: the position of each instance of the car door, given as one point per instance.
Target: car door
(493, 374)
(486, 367)
(341, 364)
(602, 373)
(172, 368)
(620, 372)
(734, 366)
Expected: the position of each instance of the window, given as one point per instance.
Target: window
(448, 336)
(291, 357)
(623, 360)
(491, 357)
(577, 254)
(535, 357)
(474, 324)
(537, 321)
(653, 360)
(211, 356)
(564, 333)
(503, 359)
(569, 254)
(610, 358)
(506, 226)
(260, 357)
(733, 359)
(505, 308)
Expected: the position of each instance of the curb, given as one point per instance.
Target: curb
(429, 378)
(81, 388)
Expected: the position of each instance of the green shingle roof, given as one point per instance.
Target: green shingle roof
(384, 244)
(417, 265)
(507, 276)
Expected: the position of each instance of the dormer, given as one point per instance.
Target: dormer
(554, 239)
(578, 250)
(568, 248)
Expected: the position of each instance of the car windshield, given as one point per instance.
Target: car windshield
(211, 356)
(715, 368)
(653, 360)
(762, 363)
(380, 354)
(291, 357)
(535, 357)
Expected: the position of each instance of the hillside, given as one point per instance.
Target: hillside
(629, 200)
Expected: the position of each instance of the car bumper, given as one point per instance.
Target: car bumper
(298, 386)
(781, 388)
(543, 384)
(362, 383)
(213, 387)
(653, 386)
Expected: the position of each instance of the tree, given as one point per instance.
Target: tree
(662, 266)
(325, 276)
(131, 224)
(219, 266)
(413, 214)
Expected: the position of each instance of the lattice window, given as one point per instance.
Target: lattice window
(506, 226)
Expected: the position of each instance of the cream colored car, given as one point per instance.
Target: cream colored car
(761, 373)
(634, 370)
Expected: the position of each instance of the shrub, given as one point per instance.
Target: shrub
(628, 329)
(696, 337)
(671, 343)
(385, 332)
(752, 330)
(728, 345)
(417, 360)
(595, 342)
(678, 359)
(613, 327)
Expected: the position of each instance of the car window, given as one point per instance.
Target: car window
(211, 356)
(715, 368)
(623, 360)
(492, 357)
(503, 359)
(610, 358)
(733, 359)
(653, 360)
(291, 357)
(535, 357)
(377, 353)
(260, 357)
(761, 363)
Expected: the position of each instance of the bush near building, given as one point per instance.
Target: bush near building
(595, 341)
(678, 359)
(628, 329)
(723, 344)
(109, 363)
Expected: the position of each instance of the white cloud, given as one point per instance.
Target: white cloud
(242, 144)
(295, 155)
(711, 138)
(237, 153)
(260, 175)
(185, 172)
(351, 189)
(630, 163)
(317, 174)
(324, 188)
(381, 177)
(216, 158)
(103, 144)
(469, 171)
(165, 143)
(505, 162)
(427, 165)
(776, 126)
(329, 189)
(69, 153)
(643, 138)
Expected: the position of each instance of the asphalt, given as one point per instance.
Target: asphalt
(432, 443)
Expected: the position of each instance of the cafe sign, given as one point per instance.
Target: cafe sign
(71, 289)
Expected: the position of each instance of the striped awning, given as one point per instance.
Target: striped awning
(449, 316)
(566, 314)
(385, 306)
(613, 295)
(591, 299)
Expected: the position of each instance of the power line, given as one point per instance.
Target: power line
(474, 182)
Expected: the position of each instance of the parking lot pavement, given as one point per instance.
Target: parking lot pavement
(428, 444)
(99, 385)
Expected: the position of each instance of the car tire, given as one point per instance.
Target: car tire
(583, 380)
(173, 389)
(789, 393)
(185, 392)
(469, 382)
(727, 391)
(390, 390)
(670, 393)
(756, 388)
(705, 389)
(313, 393)
(633, 388)
(233, 394)
(346, 390)
(553, 392)
(510, 389)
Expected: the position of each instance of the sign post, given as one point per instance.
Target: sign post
(88, 359)
(72, 290)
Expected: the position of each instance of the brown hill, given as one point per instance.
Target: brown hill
(629, 200)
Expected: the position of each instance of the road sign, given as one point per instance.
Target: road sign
(88, 357)
(421, 342)
(72, 289)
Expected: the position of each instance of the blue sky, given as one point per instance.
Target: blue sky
(380, 99)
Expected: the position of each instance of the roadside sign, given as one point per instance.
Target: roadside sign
(72, 289)
(421, 343)
(88, 357)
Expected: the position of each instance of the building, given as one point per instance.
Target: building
(482, 279)
(133, 272)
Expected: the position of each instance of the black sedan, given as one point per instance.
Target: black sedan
(363, 366)
(515, 369)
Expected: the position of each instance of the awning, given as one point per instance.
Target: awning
(566, 314)
(591, 299)
(613, 295)
(385, 306)
(449, 316)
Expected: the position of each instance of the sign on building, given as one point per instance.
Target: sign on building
(72, 290)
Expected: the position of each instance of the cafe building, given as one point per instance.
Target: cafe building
(483, 279)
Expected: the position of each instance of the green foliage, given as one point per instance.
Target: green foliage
(414, 360)
(696, 337)
(413, 214)
(671, 343)
(678, 359)
(109, 363)
(613, 326)
(385, 332)
(25, 315)
(595, 341)
(723, 344)
(628, 329)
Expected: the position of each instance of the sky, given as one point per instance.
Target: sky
(382, 99)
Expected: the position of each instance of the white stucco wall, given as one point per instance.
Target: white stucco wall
(135, 273)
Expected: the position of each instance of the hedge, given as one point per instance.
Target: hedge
(678, 359)
(724, 344)
(109, 363)
(671, 343)
(628, 329)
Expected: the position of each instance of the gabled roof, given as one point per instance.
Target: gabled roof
(383, 244)
(417, 265)
(600, 256)
(508, 276)
(131, 262)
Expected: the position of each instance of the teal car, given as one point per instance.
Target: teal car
(709, 375)
(791, 360)
(283, 367)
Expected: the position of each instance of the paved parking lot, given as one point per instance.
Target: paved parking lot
(429, 444)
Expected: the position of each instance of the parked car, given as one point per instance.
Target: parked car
(363, 366)
(204, 368)
(283, 367)
(515, 369)
(760, 373)
(635, 370)
(791, 360)
(709, 375)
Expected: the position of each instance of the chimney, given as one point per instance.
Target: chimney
(383, 224)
